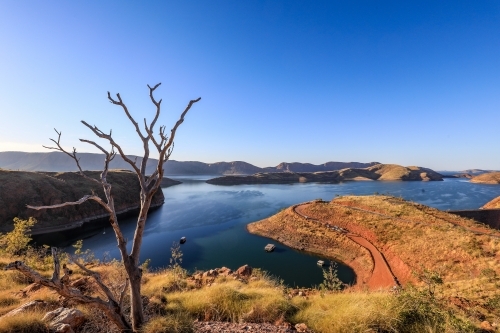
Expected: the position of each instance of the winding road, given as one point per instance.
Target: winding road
(382, 276)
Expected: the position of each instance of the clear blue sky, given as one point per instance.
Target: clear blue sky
(406, 82)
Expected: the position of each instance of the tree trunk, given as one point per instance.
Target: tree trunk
(136, 313)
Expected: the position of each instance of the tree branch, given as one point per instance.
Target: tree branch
(72, 155)
(124, 107)
(110, 308)
(74, 203)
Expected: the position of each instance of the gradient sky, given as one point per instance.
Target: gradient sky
(406, 82)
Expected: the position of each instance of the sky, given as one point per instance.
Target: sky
(405, 82)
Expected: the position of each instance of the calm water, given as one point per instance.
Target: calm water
(213, 219)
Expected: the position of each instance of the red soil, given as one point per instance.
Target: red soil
(381, 277)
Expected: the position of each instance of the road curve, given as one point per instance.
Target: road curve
(382, 276)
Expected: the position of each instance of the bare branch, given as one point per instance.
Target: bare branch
(108, 137)
(97, 278)
(124, 107)
(72, 155)
(74, 203)
(177, 124)
(157, 104)
(110, 307)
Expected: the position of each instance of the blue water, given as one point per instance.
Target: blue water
(213, 219)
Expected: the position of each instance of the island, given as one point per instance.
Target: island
(392, 172)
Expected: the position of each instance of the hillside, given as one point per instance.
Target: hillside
(493, 204)
(487, 178)
(376, 172)
(19, 188)
(412, 238)
(58, 162)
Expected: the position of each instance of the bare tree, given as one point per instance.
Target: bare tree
(149, 184)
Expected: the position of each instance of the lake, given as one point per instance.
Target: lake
(213, 219)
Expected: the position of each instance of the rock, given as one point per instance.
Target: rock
(210, 273)
(301, 327)
(485, 325)
(61, 318)
(244, 271)
(62, 328)
(224, 271)
(34, 287)
(30, 306)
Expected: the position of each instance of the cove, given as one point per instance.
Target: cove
(213, 219)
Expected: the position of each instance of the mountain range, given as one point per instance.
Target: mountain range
(58, 162)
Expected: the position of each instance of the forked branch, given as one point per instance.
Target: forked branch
(63, 288)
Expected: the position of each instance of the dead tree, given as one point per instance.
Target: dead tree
(149, 184)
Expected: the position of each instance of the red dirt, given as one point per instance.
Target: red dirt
(381, 277)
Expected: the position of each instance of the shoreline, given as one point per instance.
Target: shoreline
(96, 218)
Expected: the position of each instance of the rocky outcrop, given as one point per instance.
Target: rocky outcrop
(27, 307)
(376, 172)
(20, 188)
(64, 320)
(487, 178)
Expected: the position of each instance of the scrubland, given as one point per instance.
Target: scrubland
(449, 274)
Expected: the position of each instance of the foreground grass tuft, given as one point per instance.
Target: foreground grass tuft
(30, 322)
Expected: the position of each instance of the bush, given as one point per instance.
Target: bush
(16, 242)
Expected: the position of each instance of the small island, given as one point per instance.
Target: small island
(392, 172)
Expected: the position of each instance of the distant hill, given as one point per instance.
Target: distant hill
(477, 171)
(487, 178)
(375, 172)
(58, 162)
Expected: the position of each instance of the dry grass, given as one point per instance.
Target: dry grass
(30, 322)
(418, 236)
(467, 262)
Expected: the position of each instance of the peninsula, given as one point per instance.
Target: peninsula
(390, 241)
(375, 172)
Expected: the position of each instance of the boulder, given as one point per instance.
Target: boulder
(33, 305)
(301, 327)
(486, 326)
(224, 271)
(244, 271)
(64, 320)
(210, 273)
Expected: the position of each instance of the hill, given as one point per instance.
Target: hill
(412, 238)
(375, 172)
(19, 188)
(58, 162)
(487, 178)
(493, 204)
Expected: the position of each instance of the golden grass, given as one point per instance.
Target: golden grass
(348, 312)
(29, 322)
(230, 300)
(179, 322)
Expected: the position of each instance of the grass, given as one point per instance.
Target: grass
(467, 263)
(30, 322)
